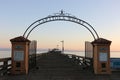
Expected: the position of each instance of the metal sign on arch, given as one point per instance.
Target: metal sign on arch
(61, 17)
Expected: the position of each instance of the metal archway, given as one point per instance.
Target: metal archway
(61, 17)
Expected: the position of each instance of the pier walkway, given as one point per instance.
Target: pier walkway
(54, 66)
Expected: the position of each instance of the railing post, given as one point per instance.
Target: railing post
(5, 64)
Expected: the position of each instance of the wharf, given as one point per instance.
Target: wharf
(54, 66)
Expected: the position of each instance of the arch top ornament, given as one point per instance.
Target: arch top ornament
(61, 16)
(62, 13)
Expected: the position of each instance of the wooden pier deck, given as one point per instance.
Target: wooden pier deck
(53, 66)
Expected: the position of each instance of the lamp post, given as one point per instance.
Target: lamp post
(62, 46)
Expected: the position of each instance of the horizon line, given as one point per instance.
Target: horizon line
(46, 49)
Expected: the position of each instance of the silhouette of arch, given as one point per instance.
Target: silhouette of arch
(61, 17)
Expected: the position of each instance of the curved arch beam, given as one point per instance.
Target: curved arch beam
(60, 18)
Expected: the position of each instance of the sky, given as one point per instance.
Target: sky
(17, 15)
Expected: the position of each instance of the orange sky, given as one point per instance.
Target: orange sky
(103, 15)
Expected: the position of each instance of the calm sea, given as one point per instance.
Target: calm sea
(7, 53)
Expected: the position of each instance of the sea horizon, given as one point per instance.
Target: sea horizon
(7, 53)
(45, 49)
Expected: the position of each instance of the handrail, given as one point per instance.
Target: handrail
(5, 67)
(86, 61)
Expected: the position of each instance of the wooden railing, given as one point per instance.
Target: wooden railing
(81, 60)
(5, 65)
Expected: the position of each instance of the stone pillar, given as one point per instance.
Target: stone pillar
(20, 55)
(101, 56)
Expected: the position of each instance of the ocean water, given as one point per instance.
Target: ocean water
(5, 53)
(115, 54)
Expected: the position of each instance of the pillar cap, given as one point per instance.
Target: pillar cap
(19, 39)
(101, 41)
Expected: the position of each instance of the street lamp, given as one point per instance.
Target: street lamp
(62, 46)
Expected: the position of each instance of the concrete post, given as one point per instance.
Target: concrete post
(20, 55)
(101, 56)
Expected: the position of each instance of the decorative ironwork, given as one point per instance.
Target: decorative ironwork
(62, 13)
(62, 16)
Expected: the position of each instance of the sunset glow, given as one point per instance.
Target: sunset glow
(103, 15)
